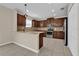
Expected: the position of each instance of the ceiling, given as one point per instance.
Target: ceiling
(41, 10)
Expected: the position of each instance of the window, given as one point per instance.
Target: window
(28, 23)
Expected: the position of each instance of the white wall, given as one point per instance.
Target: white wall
(6, 25)
(70, 6)
(8, 22)
(73, 18)
(9, 34)
(78, 30)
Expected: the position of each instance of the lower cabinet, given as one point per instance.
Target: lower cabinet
(40, 40)
(58, 34)
(41, 35)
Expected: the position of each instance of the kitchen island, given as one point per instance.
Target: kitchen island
(32, 40)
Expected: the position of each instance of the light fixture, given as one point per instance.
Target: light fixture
(62, 8)
(25, 10)
(53, 10)
(54, 14)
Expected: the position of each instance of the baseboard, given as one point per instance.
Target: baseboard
(70, 51)
(36, 51)
(1, 44)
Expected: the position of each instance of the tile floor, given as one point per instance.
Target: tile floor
(52, 47)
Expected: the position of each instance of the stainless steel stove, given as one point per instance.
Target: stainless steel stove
(49, 33)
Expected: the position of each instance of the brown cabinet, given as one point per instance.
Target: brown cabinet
(34, 23)
(41, 35)
(58, 34)
(45, 23)
(59, 22)
(21, 22)
(41, 23)
(50, 20)
(56, 22)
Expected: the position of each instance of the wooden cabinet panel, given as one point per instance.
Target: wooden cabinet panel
(41, 24)
(45, 23)
(34, 23)
(40, 40)
(50, 20)
(37, 23)
(41, 35)
(58, 34)
(21, 20)
(58, 22)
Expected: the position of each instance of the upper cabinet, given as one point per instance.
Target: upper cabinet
(45, 23)
(21, 20)
(57, 22)
(34, 23)
(50, 20)
(42, 23)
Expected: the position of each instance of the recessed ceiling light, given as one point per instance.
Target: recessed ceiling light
(62, 8)
(54, 14)
(27, 10)
(53, 10)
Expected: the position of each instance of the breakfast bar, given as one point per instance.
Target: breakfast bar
(32, 40)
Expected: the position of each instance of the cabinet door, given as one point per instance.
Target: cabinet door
(38, 23)
(59, 22)
(54, 34)
(45, 23)
(58, 34)
(41, 23)
(33, 23)
(21, 20)
(50, 20)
